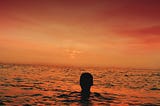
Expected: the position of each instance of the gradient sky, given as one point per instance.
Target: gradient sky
(81, 32)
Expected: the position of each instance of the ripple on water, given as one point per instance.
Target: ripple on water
(27, 88)
(17, 79)
(37, 95)
(56, 80)
(155, 88)
(27, 105)
(148, 104)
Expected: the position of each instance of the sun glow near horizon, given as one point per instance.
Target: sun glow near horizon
(100, 33)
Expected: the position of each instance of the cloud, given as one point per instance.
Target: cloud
(146, 31)
(143, 40)
(147, 34)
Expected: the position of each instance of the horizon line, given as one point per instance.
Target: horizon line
(79, 66)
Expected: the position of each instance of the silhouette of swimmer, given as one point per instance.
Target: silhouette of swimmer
(86, 81)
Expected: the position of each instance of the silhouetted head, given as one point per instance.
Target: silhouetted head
(86, 81)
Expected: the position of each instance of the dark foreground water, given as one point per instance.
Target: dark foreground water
(49, 85)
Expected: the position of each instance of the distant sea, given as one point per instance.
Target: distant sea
(32, 85)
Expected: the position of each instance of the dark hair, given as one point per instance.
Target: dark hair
(86, 79)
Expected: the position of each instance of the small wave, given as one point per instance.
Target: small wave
(27, 105)
(155, 89)
(37, 94)
(27, 88)
(148, 104)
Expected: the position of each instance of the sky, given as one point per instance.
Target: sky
(123, 33)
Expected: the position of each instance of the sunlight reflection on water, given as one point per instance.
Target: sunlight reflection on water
(48, 85)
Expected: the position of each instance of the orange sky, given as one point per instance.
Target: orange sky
(81, 32)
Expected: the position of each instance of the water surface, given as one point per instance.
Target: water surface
(51, 85)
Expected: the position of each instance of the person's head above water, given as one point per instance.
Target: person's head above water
(86, 81)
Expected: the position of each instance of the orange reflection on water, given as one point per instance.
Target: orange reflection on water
(48, 85)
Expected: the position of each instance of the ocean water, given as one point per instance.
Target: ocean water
(29, 85)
